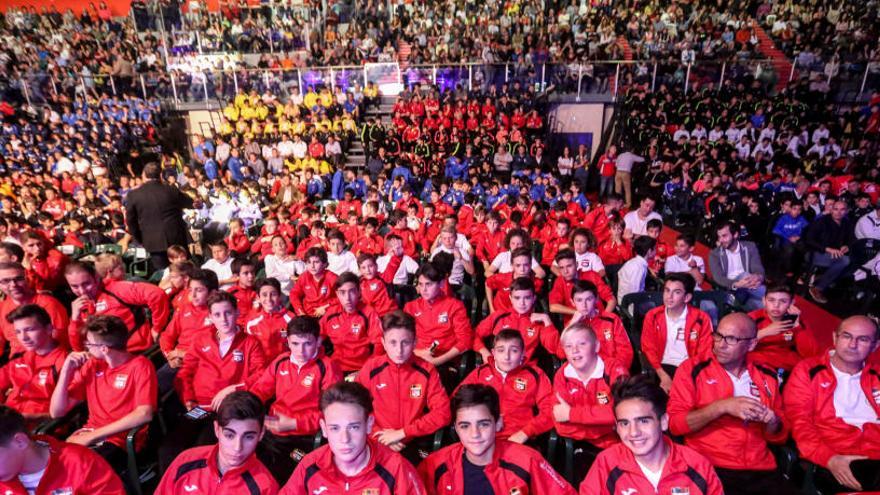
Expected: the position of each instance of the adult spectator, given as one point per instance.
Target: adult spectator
(154, 215)
(832, 403)
(828, 239)
(44, 465)
(636, 222)
(728, 409)
(623, 174)
(646, 459)
(736, 266)
(19, 292)
(868, 226)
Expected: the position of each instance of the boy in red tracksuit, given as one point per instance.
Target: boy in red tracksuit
(368, 241)
(215, 360)
(783, 337)
(615, 250)
(351, 462)
(489, 242)
(294, 382)
(45, 265)
(120, 389)
(238, 428)
(66, 467)
(374, 285)
(237, 240)
(535, 328)
(558, 240)
(443, 330)
(178, 283)
(729, 409)
(246, 271)
(498, 466)
(353, 327)
(664, 250)
(397, 221)
(833, 405)
(614, 341)
(525, 391)
(19, 292)
(27, 381)
(675, 331)
(498, 285)
(640, 417)
(269, 324)
(560, 294)
(409, 399)
(597, 220)
(125, 300)
(582, 386)
(312, 294)
(263, 244)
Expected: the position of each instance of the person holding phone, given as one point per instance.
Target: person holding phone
(783, 337)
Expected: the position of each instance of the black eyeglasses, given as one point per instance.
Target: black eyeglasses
(729, 339)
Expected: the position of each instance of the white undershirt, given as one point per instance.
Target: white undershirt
(675, 351)
(850, 402)
(224, 345)
(734, 263)
(742, 386)
(653, 476)
(31, 481)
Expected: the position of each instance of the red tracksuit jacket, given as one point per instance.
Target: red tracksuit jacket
(612, 336)
(270, 329)
(809, 405)
(30, 380)
(686, 471)
(444, 321)
(728, 442)
(786, 349)
(515, 469)
(592, 408)
(387, 473)
(186, 323)
(296, 389)
(352, 334)
(523, 390)
(697, 333)
(307, 294)
(488, 245)
(532, 333)
(500, 284)
(375, 291)
(127, 300)
(247, 302)
(205, 372)
(561, 291)
(402, 394)
(57, 313)
(47, 273)
(72, 469)
(196, 471)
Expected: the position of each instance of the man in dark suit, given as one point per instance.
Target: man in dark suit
(154, 215)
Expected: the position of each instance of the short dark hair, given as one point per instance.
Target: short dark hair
(398, 319)
(654, 223)
(304, 325)
(80, 266)
(241, 405)
(430, 272)
(565, 254)
(684, 278)
(688, 239)
(643, 387)
(109, 330)
(12, 249)
(152, 170)
(263, 282)
(522, 283)
(507, 334)
(780, 288)
(734, 228)
(642, 245)
(11, 423)
(519, 252)
(473, 395)
(347, 278)
(185, 267)
(220, 297)
(316, 252)
(239, 263)
(517, 233)
(347, 393)
(30, 311)
(365, 257)
(207, 278)
(584, 286)
(12, 265)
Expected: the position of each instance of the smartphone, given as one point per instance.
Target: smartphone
(790, 317)
(196, 413)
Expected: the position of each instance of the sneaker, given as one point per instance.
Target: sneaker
(817, 295)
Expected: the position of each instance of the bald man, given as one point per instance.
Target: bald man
(833, 405)
(728, 409)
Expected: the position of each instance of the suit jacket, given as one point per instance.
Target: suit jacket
(154, 215)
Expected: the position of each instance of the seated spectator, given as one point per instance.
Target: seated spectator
(120, 388)
(268, 324)
(636, 222)
(675, 331)
(616, 250)
(646, 458)
(353, 327)
(828, 240)
(789, 229)
(729, 410)
(406, 414)
(221, 264)
(560, 295)
(238, 428)
(19, 292)
(583, 410)
(610, 333)
(245, 272)
(282, 266)
(339, 259)
(476, 412)
(43, 263)
(736, 266)
(685, 261)
(351, 457)
(312, 294)
(42, 462)
(498, 286)
(784, 339)
(833, 410)
(631, 276)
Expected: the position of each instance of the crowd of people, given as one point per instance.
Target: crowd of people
(470, 311)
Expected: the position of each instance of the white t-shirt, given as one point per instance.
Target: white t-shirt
(342, 262)
(653, 476)
(742, 386)
(458, 271)
(223, 270)
(502, 263)
(283, 271)
(31, 481)
(675, 351)
(637, 225)
(850, 403)
(734, 263)
(408, 266)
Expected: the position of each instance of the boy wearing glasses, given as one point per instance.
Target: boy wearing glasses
(19, 292)
(728, 409)
(833, 403)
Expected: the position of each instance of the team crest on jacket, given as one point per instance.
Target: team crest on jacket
(443, 318)
(677, 490)
(374, 286)
(516, 491)
(875, 393)
(601, 397)
(693, 335)
(42, 377)
(520, 384)
(788, 336)
(355, 328)
(100, 306)
(120, 381)
(415, 391)
(237, 356)
(308, 380)
(62, 491)
(530, 332)
(323, 290)
(607, 334)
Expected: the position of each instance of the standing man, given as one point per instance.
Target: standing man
(623, 176)
(154, 215)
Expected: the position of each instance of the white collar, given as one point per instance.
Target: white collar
(598, 371)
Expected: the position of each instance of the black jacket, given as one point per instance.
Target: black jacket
(154, 216)
(826, 233)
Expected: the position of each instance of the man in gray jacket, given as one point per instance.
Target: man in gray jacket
(736, 266)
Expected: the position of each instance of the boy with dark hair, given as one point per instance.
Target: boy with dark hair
(120, 388)
(312, 294)
(238, 428)
(655, 225)
(269, 322)
(560, 294)
(498, 285)
(189, 320)
(487, 465)
(374, 284)
(41, 462)
(19, 292)
(783, 337)
(245, 271)
(352, 327)
(609, 330)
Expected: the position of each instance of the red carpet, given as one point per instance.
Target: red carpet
(781, 64)
(821, 322)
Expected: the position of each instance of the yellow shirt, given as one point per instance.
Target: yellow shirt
(262, 112)
(240, 100)
(248, 113)
(284, 125)
(226, 129)
(326, 99)
(231, 113)
(310, 99)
